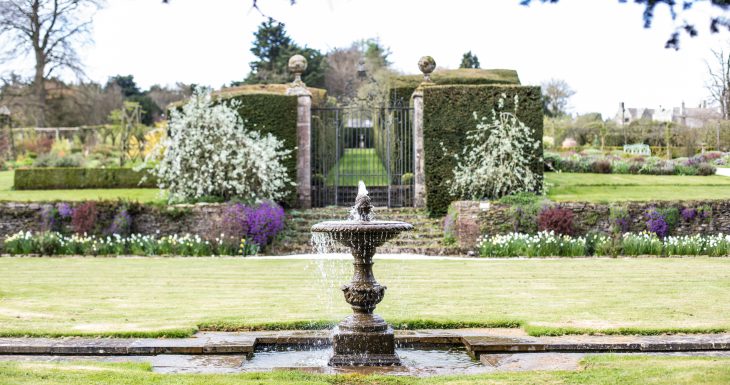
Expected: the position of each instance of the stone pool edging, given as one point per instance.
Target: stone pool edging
(476, 341)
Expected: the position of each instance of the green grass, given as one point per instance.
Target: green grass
(601, 369)
(359, 164)
(173, 296)
(135, 194)
(614, 187)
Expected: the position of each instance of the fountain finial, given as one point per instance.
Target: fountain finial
(362, 203)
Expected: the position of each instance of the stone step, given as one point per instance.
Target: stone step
(426, 238)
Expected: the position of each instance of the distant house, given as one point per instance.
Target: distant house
(689, 117)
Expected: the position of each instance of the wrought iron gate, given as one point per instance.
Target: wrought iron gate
(374, 145)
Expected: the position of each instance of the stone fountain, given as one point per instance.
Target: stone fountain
(364, 338)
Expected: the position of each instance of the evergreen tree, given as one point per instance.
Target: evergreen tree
(469, 60)
(273, 48)
(126, 84)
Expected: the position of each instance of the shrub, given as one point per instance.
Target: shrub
(656, 223)
(210, 152)
(686, 170)
(83, 219)
(122, 222)
(447, 118)
(233, 225)
(81, 178)
(552, 161)
(497, 158)
(601, 166)
(706, 169)
(556, 219)
(671, 216)
(704, 212)
(264, 222)
(689, 214)
(524, 210)
(621, 167)
(50, 218)
(620, 219)
(406, 179)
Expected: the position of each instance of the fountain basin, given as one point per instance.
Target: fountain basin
(356, 233)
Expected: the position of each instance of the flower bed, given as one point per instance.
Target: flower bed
(549, 244)
(54, 243)
(620, 163)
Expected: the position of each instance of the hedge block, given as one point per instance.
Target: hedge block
(402, 87)
(449, 114)
(81, 178)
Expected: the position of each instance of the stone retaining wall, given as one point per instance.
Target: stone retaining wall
(473, 218)
(199, 219)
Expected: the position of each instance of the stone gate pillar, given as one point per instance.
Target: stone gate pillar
(297, 65)
(426, 64)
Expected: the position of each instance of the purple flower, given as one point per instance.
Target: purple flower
(622, 224)
(688, 214)
(64, 210)
(705, 212)
(657, 224)
(49, 218)
(122, 223)
(264, 222)
(233, 223)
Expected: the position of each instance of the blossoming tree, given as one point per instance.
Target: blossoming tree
(210, 152)
(497, 157)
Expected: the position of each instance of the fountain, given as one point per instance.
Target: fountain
(364, 338)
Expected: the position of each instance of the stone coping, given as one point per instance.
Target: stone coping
(476, 342)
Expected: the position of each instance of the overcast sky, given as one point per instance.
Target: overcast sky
(599, 46)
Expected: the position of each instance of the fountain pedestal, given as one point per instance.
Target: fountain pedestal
(364, 338)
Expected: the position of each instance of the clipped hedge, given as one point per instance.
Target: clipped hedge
(402, 87)
(81, 178)
(277, 115)
(449, 114)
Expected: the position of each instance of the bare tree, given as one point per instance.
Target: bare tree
(719, 80)
(556, 93)
(340, 77)
(50, 31)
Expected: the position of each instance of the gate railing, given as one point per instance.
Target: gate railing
(350, 144)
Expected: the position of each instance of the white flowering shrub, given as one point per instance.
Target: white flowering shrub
(211, 153)
(497, 157)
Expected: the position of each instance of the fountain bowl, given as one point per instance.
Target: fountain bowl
(352, 233)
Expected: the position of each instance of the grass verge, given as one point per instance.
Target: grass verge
(600, 369)
(615, 187)
(173, 297)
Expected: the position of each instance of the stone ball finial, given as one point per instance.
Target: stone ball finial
(297, 64)
(426, 64)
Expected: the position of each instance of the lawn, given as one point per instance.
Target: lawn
(616, 187)
(602, 369)
(359, 164)
(153, 296)
(136, 194)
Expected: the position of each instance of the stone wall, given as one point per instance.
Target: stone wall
(199, 219)
(473, 218)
